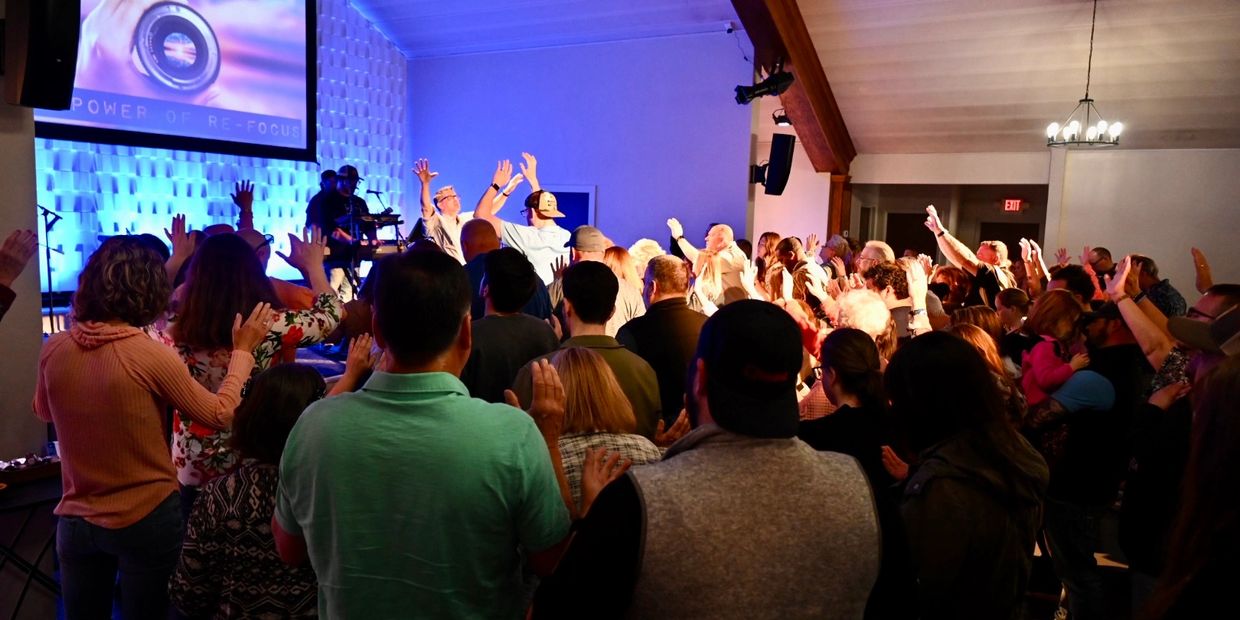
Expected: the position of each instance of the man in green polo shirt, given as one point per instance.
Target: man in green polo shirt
(410, 498)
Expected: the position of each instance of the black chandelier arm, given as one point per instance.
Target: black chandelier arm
(1089, 65)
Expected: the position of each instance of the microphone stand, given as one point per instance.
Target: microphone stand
(49, 221)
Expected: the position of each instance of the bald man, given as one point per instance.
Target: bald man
(720, 244)
(478, 237)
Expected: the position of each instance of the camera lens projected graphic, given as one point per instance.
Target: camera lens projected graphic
(233, 75)
(176, 47)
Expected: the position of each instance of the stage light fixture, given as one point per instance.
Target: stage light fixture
(780, 118)
(777, 82)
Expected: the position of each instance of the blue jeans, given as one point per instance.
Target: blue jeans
(144, 554)
(1072, 531)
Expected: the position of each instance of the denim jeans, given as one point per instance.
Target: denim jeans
(144, 554)
(1072, 531)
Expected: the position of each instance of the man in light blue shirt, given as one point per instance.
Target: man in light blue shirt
(542, 240)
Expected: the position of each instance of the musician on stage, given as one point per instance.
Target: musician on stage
(328, 217)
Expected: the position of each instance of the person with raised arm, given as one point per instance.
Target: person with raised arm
(721, 261)
(442, 219)
(988, 267)
(542, 240)
(14, 254)
(106, 386)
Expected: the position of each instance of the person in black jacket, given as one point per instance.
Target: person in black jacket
(667, 335)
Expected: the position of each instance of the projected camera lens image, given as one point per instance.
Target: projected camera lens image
(176, 47)
(228, 75)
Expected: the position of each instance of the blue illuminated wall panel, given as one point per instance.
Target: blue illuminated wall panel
(104, 190)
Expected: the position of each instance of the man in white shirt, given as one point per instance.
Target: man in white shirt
(722, 254)
(541, 240)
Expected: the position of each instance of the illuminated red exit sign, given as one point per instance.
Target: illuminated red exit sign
(1013, 205)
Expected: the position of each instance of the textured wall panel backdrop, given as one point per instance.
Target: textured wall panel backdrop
(103, 190)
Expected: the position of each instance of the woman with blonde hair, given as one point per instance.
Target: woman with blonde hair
(623, 265)
(596, 415)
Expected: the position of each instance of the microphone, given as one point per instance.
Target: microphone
(374, 191)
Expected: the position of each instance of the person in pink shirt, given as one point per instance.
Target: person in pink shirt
(1045, 368)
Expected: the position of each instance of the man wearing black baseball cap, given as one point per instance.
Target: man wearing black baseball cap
(334, 206)
(719, 527)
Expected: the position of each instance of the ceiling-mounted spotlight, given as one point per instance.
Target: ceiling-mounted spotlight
(775, 83)
(780, 118)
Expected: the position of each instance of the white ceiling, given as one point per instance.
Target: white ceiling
(923, 76)
(926, 76)
(449, 27)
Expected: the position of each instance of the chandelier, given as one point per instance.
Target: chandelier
(1085, 126)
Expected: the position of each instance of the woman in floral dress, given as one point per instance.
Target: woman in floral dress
(224, 275)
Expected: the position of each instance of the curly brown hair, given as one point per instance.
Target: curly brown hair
(123, 280)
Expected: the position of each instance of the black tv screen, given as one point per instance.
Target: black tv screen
(224, 76)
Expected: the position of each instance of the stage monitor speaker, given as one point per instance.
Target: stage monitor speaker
(40, 52)
(779, 166)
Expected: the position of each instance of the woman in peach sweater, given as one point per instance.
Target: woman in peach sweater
(105, 385)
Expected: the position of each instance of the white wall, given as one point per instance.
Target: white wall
(802, 208)
(651, 122)
(952, 168)
(20, 332)
(1155, 202)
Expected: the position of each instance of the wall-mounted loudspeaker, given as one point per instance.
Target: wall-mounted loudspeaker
(773, 175)
(40, 52)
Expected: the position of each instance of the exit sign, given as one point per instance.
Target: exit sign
(1013, 205)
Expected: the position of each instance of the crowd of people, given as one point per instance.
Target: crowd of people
(536, 422)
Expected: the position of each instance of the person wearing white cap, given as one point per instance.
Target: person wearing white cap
(542, 240)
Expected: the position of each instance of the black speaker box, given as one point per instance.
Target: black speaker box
(779, 166)
(40, 52)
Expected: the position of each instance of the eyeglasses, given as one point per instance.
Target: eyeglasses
(267, 240)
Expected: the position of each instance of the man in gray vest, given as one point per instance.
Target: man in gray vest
(741, 519)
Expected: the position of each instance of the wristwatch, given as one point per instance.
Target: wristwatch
(495, 186)
(942, 232)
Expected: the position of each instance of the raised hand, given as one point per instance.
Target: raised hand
(1204, 278)
(680, 428)
(15, 253)
(927, 264)
(422, 169)
(1116, 285)
(856, 282)
(599, 470)
(674, 226)
(932, 220)
(182, 242)
(529, 168)
(513, 183)
(549, 401)
(1085, 256)
(555, 326)
(243, 194)
(1026, 251)
(918, 283)
(786, 286)
(558, 267)
(503, 172)
(306, 253)
(811, 244)
(246, 336)
(1062, 257)
(894, 465)
(362, 355)
(838, 266)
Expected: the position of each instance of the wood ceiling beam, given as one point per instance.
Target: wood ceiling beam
(778, 32)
